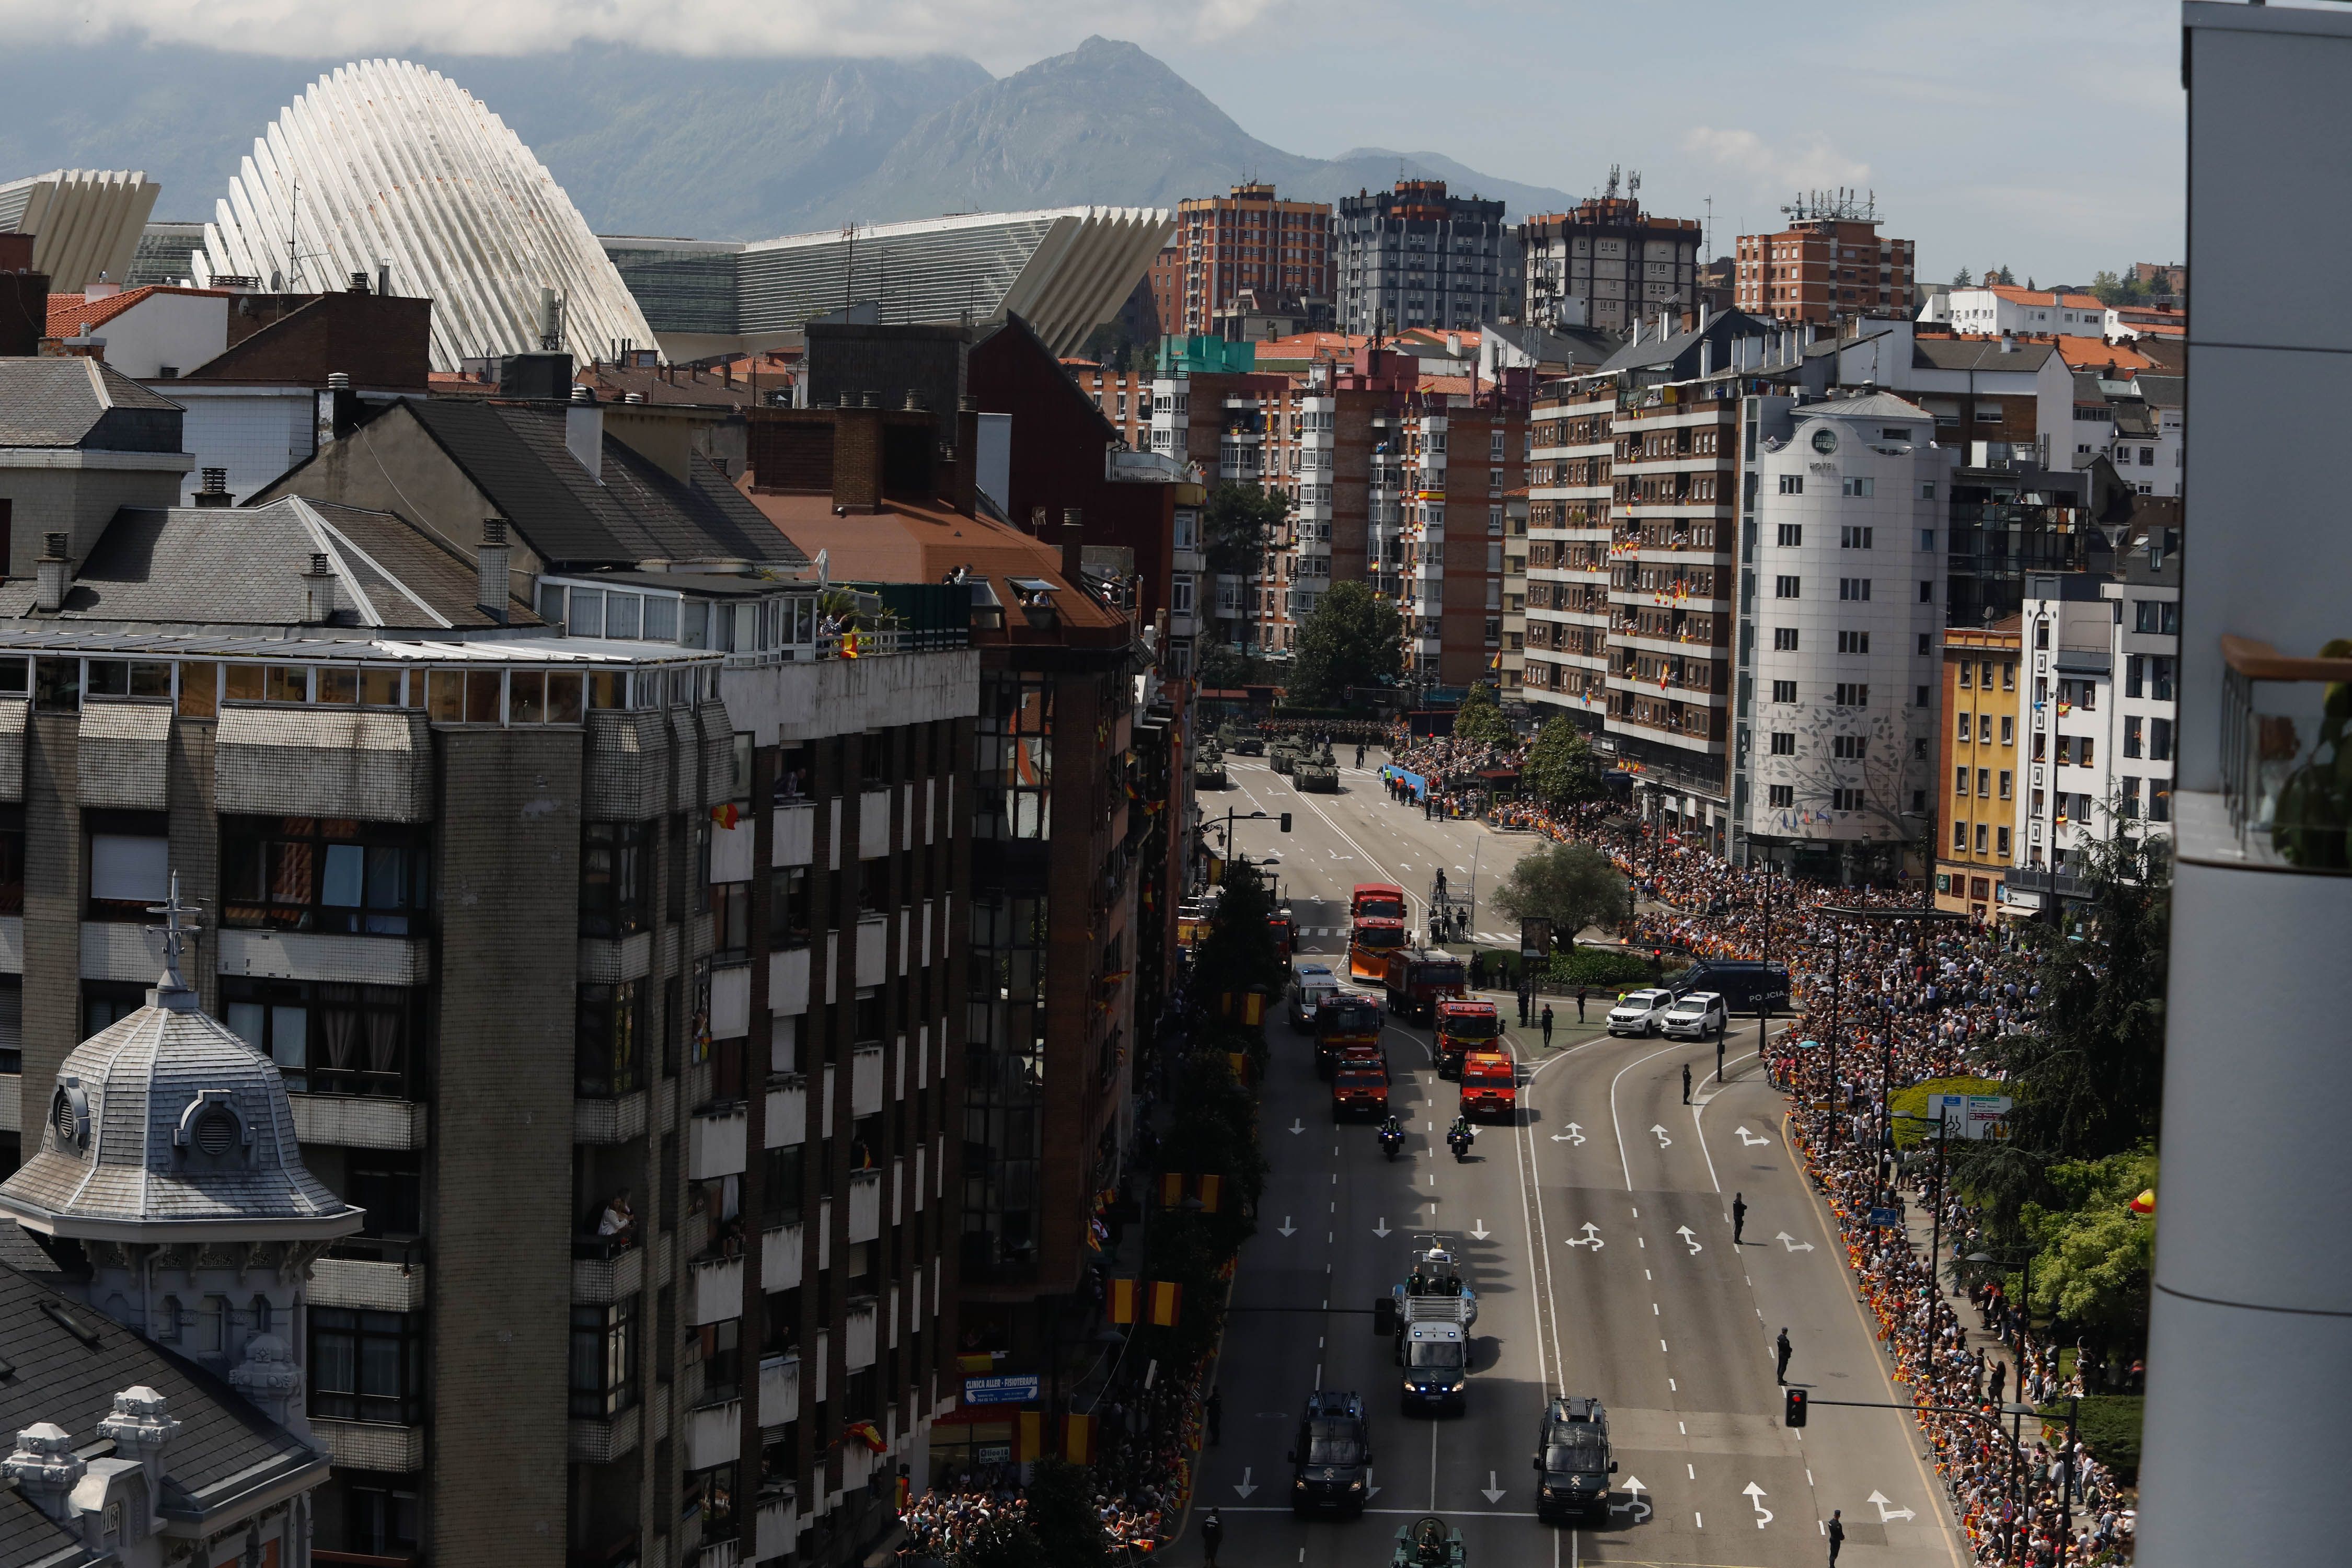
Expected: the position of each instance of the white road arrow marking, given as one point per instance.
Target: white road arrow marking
(1287, 1229)
(1690, 1240)
(1574, 1134)
(1886, 1512)
(1244, 1486)
(1370, 1490)
(1381, 1229)
(1663, 1141)
(1481, 1233)
(1792, 1244)
(1297, 1124)
(1755, 1494)
(1591, 1238)
(1633, 1505)
(1747, 1139)
(1492, 1492)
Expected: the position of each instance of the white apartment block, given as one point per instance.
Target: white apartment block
(1852, 498)
(2000, 308)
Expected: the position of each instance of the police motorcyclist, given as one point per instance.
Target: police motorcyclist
(1391, 1130)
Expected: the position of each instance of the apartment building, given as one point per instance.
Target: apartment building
(1982, 751)
(1571, 548)
(1830, 264)
(1460, 456)
(1417, 257)
(1249, 239)
(1123, 396)
(1997, 307)
(1605, 263)
(1214, 412)
(1852, 502)
(1510, 669)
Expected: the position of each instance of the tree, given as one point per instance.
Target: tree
(1221, 667)
(1353, 638)
(1237, 952)
(1559, 769)
(2094, 1258)
(1235, 525)
(1001, 1540)
(2004, 276)
(2088, 1081)
(1481, 719)
(1062, 1511)
(1963, 278)
(1571, 884)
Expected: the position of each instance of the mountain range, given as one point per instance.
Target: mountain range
(732, 149)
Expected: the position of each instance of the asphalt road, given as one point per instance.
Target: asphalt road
(1597, 1232)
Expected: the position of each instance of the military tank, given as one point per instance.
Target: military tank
(1284, 756)
(1209, 767)
(1318, 772)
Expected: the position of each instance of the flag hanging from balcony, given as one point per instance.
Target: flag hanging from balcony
(979, 1364)
(1213, 1192)
(726, 816)
(1030, 1437)
(1122, 1300)
(1079, 1439)
(1171, 1189)
(1167, 1303)
(865, 1431)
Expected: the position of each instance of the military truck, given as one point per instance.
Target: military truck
(1241, 743)
(1332, 1453)
(1317, 770)
(1572, 1460)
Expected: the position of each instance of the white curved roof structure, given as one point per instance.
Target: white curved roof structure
(85, 223)
(385, 164)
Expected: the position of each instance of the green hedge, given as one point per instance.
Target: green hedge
(1601, 966)
(2109, 1423)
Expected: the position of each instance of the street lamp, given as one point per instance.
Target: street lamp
(1837, 969)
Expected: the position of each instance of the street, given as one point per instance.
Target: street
(1597, 1232)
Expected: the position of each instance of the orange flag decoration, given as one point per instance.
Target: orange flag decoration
(1167, 1303)
(1122, 1300)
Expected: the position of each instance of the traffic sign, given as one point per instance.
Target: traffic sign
(1885, 1218)
(1970, 1116)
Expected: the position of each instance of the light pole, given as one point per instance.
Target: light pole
(1867, 912)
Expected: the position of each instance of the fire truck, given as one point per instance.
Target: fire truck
(1465, 1026)
(1418, 978)
(1360, 1089)
(1490, 1084)
(1376, 928)
(1346, 1030)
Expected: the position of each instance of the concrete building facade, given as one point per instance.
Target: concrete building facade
(1982, 751)
(1605, 263)
(1250, 239)
(1417, 257)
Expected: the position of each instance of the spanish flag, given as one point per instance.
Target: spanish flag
(1171, 1189)
(1079, 1439)
(1122, 1300)
(1212, 1193)
(1167, 1303)
(865, 1432)
(1030, 1437)
(977, 1364)
(726, 816)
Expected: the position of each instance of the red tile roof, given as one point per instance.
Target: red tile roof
(2017, 296)
(68, 314)
(2097, 353)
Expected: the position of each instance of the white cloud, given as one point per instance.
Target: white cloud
(1808, 163)
(1000, 33)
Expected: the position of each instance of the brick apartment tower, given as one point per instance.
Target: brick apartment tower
(1829, 265)
(1249, 239)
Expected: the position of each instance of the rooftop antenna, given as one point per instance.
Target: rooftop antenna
(177, 935)
(1710, 226)
(1615, 179)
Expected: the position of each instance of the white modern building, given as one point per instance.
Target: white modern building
(86, 223)
(1852, 500)
(387, 169)
(2003, 390)
(1994, 309)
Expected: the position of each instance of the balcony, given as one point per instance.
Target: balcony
(793, 835)
(717, 1554)
(605, 1271)
(714, 1290)
(873, 824)
(714, 1433)
(780, 1258)
(788, 981)
(873, 950)
(600, 1440)
(778, 1525)
(779, 1391)
(865, 1204)
(613, 961)
(315, 955)
(371, 1445)
(787, 1112)
(381, 1284)
(858, 1333)
(730, 1002)
(717, 1141)
(866, 1081)
(609, 1118)
(358, 1121)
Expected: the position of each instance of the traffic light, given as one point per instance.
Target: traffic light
(1792, 1410)
(1286, 822)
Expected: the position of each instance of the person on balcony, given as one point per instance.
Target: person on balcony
(619, 1220)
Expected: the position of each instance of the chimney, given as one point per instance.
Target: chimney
(143, 1428)
(1074, 547)
(384, 279)
(53, 575)
(318, 591)
(45, 1467)
(965, 457)
(214, 490)
(493, 591)
(359, 283)
(2008, 342)
(857, 453)
(338, 408)
(584, 432)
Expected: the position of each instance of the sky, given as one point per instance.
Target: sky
(2044, 137)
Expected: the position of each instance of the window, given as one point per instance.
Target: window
(2159, 741)
(1781, 795)
(1853, 748)
(1784, 638)
(1966, 679)
(1984, 729)
(615, 878)
(1792, 535)
(2160, 678)
(2005, 784)
(1014, 770)
(1853, 588)
(605, 1055)
(2127, 797)
(128, 871)
(1984, 781)
(1793, 484)
(1959, 838)
(1784, 587)
(1784, 691)
(2134, 672)
(328, 1037)
(1960, 783)
(1926, 492)
(2008, 730)
(1980, 837)
(1856, 485)
(603, 1360)
(2161, 616)
(2001, 847)
(367, 1366)
(1852, 695)
(1784, 743)
(324, 874)
(2085, 745)
(1853, 642)
(2132, 736)
(1179, 594)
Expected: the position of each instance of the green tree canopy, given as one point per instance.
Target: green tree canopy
(1236, 524)
(2094, 1260)
(1559, 769)
(1480, 718)
(1963, 278)
(1571, 884)
(1062, 1511)
(1221, 667)
(1353, 638)
(1237, 952)
(1001, 1540)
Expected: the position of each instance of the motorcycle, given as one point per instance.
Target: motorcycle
(1459, 1142)
(1392, 1141)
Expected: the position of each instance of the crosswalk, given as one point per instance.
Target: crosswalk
(1492, 938)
